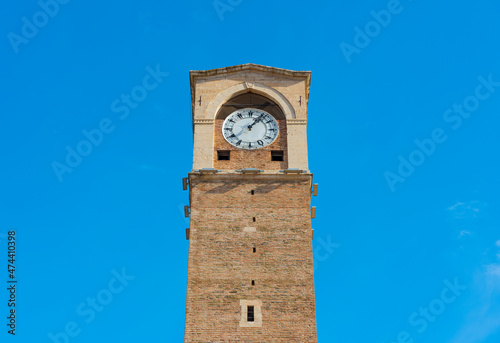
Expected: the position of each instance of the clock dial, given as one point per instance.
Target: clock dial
(250, 128)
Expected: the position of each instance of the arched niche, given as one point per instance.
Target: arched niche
(271, 94)
(270, 157)
(250, 100)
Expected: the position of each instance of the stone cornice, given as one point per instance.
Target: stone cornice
(194, 74)
(296, 122)
(265, 176)
(203, 121)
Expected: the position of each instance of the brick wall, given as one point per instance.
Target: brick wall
(222, 263)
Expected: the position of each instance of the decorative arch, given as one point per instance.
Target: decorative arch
(221, 98)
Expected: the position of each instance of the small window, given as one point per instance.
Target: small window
(253, 218)
(276, 155)
(253, 282)
(252, 191)
(254, 249)
(223, 155)
(250, 314)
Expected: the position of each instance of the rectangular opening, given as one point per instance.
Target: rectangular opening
(250, 314)
(253, 218)
(223, 155)
(276, 155)
(253, 282)
(252, 191)
(254, 249)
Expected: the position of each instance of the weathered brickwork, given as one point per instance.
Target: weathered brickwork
(250, 273)
(222, 262)
(259, 158)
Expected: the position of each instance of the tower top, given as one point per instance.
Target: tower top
(279, 95)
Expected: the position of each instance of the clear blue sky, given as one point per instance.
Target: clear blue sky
(403, 141)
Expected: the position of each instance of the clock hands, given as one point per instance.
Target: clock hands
(249, 127)
(241, 130)
(255, 121)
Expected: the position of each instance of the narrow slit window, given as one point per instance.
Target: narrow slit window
(253, 282)
(253, 218)
(254, 249)
(252, 191)
(277, 155)
(223, 155)
(250, 314)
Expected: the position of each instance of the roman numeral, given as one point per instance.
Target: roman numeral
(260, 142)
(238, 143)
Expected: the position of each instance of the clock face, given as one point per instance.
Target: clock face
(250, 128)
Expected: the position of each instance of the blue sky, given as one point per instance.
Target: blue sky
(403, 120)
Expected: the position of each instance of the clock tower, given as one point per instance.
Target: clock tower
(250, 271)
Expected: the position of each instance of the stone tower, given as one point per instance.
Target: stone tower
(250, 273)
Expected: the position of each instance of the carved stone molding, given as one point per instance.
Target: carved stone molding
(296, 122)
(203, 121)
